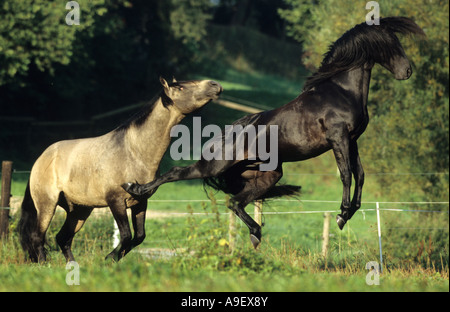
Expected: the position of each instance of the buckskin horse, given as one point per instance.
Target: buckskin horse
(80, 175)
(330, 113)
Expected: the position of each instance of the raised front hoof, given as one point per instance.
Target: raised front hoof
(132, 188)
(340, 221)
(255, 241)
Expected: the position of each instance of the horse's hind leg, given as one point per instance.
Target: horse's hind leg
(45, 207)
(254, 188)
(200, 169)
(74, 222)
(238, 207)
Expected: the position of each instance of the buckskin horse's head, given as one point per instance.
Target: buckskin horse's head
(189, 96)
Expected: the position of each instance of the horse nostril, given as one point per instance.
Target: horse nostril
(409, 72)
(212, 83)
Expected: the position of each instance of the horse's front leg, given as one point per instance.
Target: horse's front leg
(118, 209)
(138, 220)
(340, 143)
(358, 174)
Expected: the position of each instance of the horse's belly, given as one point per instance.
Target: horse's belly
(306, 149)
(84, 195)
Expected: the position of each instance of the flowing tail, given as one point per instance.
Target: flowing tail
(29, 238)
(282, 190)
(234, 186)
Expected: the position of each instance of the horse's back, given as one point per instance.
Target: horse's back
(82, 169)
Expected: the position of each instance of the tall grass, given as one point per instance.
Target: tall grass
(201, 260)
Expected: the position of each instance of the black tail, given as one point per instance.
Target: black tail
(282, 190)
(233, 186)
(28, 226)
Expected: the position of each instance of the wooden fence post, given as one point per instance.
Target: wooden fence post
(5, 197)
(379, 236)
(232, 231)
(258, 211)
(326, 233)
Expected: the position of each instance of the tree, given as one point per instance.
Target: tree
(108, 61)
(34, 33)
(188, 20)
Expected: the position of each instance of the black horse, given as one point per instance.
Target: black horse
(330, 113)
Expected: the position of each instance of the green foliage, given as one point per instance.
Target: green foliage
(427, 245)
(188, 19)
(318, 23)
(409, 126)
(112, 59)
(35, 32)
(229, 47)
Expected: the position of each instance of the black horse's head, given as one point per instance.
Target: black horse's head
(188, 96)
(398, 65)
(389, 51)
(365, 45)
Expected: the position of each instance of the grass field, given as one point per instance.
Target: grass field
(191, 252)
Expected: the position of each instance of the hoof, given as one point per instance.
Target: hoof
(133, 189)
(112, 257)
(255, 241)
(127, 186)
(340, 221)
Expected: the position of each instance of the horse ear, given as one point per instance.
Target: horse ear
(173, 79)
(164, 84)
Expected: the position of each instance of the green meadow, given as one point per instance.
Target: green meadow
(187, 247)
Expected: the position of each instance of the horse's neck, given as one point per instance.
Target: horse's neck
(357, 82)
(149, 141)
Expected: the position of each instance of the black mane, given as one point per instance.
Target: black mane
(141, 116)
(361, 44)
